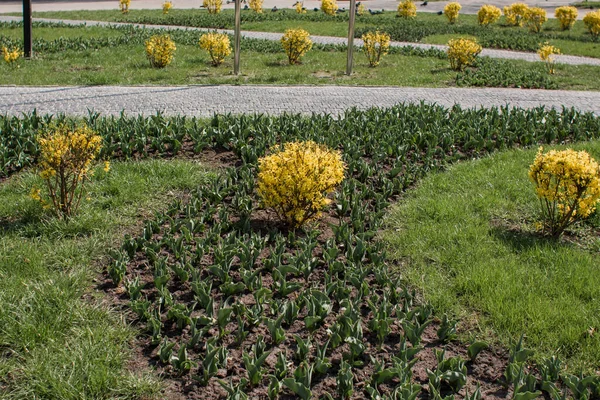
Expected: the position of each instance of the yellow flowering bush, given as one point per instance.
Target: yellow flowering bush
(361, 9)
(212, 6)
(217, 45)
(160, 50)
(66, 156)
(488, 14)
(568, 185)
(546, 53)
(294, 181)
(407, 9)
(375, 45)
(451, 11)
(300, 7)
(257, 6)
(166, 7)
(515, 14)
(11, 56)
(566, 15)
(462, 53)
(329, 7)
(535, 18)
(592, 23)
(296, 42)
(124, 4)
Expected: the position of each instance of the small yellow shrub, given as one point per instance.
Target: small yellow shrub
(212, 6)
(592, 23)
(361, 9)
(566, 15)
(515, 13)
(296, 42)
(488, 14)
(546, 53)
(66, 156)
(257, 6)
(329, 7)
(451, 11)
(166, 7)
(160, 50)
(217, 45)
(407, 9)
(462, 53)
(11, 56)
(295, 181)
(300, 7)
(124, 4)
(375, 46)
(568, 185)
(535, 18)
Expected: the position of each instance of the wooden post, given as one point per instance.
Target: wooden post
(27, 21)
(351, 37)
(236, 55)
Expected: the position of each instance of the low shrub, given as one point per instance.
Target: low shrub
(217, 45)
(257, 6)
(592, 23)
(329, 7)
(535, 18)
(295, 181)
(11, 56)
(375, 46)
(296, 42)
(124, 4)
(160, 50)
(515, 14)
(299, 6)
(566, 15)
(546, 53)
(451, 11)
(568, 185)
(212, 6)
(166, 7)
(462, 53)
(488, 14)
(407, 9)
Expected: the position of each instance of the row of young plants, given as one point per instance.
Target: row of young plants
(218, 283)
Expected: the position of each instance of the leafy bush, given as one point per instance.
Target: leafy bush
(407, 9)
(566, 15)
(66, 156)
(217, 45)
(462, 53)
(490, 72)
(296, 42)
(568, 186)
(11, 56)
(488, 14)
(451, 11)
(535, 18)
(212, 6)
(546, 53)
(166, 7)
(294, 182)
(160, 50)
(257, 6)
(329, 7)
(592, 23)
(515, 14)
(375, 45)
(124, 4)
(299, 7)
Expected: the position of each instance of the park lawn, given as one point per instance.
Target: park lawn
(466, 239)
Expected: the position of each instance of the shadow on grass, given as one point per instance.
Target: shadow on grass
(520, 240)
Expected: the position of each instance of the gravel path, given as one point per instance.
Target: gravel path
(207, 100)
(493, 53)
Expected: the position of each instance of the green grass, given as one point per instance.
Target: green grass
(465, 239)
(58, 338)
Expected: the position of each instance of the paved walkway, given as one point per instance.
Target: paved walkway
(204, 101)
(493, 53)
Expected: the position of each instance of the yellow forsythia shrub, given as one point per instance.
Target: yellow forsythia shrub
(451, 11)
(361, 9)
(166, 7)
(257, 6)
(160, 50)
(11, 56)
(375, 46)
(124, 4)
(488, 14)
(296, 42)
(462, 53)
(535, 18)
(66, 156)
(568, 185)
(592, 22)
(407, 9)
(329, 7)
(515, 13)
(546, 53)
(212, 6)
(300, 7)
(566, 15)
(217, 45)
(295, 181)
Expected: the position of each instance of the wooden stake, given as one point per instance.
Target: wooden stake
(351, 37)
(236, 55)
